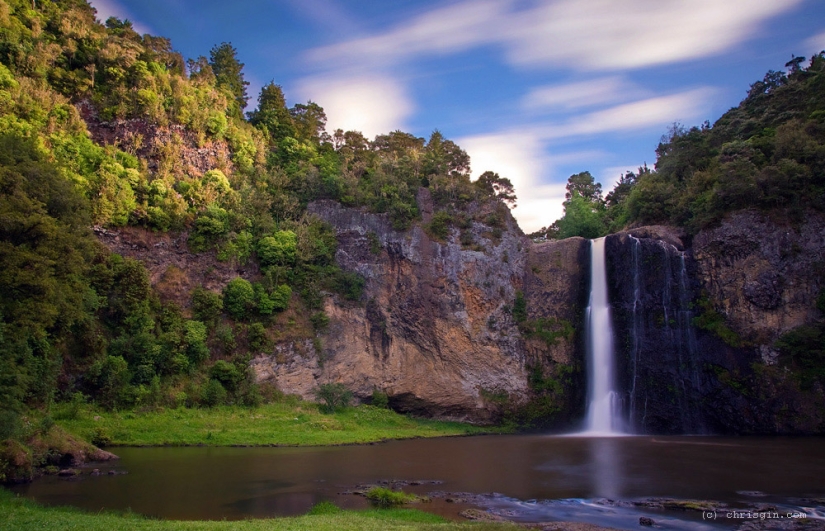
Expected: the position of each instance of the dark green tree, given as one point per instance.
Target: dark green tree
(272, 114)
(310, 122)
(498, 187)
(583, 184)
(223, 58)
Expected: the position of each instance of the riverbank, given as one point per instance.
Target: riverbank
(286, 423)
(19, 514)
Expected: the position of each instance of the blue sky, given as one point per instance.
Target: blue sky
(534, 90)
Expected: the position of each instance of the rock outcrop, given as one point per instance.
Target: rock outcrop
(696, 322)
(435, 329)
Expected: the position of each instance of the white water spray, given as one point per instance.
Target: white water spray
(603, 415)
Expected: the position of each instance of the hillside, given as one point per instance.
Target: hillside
(160, 248)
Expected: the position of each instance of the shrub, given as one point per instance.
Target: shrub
(350, 285)
(206, 305)
(278, 249)
(439, 226)
(385, 498)
(10, 425)
(334, 397)
(226, 373)
(319, 321)
(324, 507)
(380, 399)
(238, 297)
(213, 393)
(100, 436)
(257, 338)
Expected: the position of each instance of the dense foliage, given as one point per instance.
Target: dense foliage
(768, 153)
(101, 127)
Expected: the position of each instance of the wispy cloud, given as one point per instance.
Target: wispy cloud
(112, 8)
(370, 103)
(326, 13)
(614, 35)
(580, 94)
(651, 112)
(445, 30)
(577, 34)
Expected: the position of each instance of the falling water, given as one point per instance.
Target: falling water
(602, 399)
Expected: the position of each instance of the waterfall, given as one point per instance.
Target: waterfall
(603, 415)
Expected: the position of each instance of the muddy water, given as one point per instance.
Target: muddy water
(527, 471)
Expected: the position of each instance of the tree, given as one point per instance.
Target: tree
(498, 187)
(272, 114)
(229, 73)
(582, 217)
(278, 249)
(583, 184)
(310, 122)
(238, 297)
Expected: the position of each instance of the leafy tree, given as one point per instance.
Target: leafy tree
(585, 186)
(229, 73)
(272, 114)
(334, 397)
(279, 249)
(498, 187)
(309, 121)
(581, 218)
(239, 297)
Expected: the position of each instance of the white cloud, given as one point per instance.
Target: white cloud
(579, 34)
(816, 43)
(371, 103)
(325, 13)
(579, 95)
(444, 30)
(612, 34)
(112, 8)
(520, 158)
(651, 112)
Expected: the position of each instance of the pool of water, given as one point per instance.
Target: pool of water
(534, 477)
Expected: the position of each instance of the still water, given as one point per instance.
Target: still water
(528, 471)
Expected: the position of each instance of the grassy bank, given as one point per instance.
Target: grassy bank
(292, 423)
(18, 514)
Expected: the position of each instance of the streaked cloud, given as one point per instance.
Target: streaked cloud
(579, 95)
(576, 34)
(111, 8)
(370, 103)
(445, 30)
(652, 112)
(614, 35)
(327, 14)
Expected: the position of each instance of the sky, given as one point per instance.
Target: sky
(535, 90)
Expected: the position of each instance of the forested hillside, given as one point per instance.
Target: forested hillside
(768, 153)
(102, 127)
(104, 130)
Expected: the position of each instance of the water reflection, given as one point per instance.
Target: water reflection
(606, 468)
(232, 483)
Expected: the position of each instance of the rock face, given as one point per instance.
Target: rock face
(174, 270)
(695, 324)
(434, 329)
(154, 143)
(695, 320)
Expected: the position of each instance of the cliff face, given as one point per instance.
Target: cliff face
(434, 329)
(696, 322)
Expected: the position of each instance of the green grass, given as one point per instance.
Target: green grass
(17, 514)
(288, 423)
